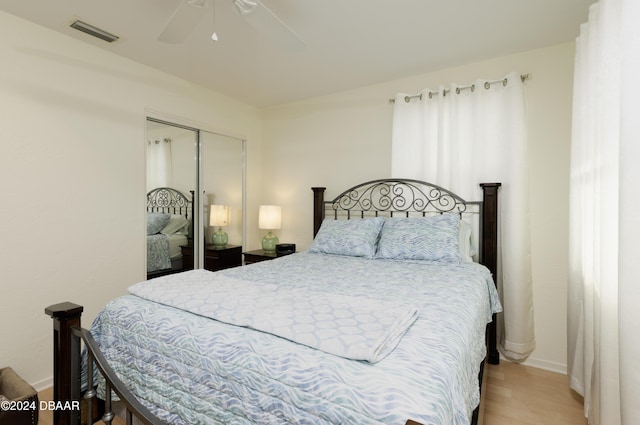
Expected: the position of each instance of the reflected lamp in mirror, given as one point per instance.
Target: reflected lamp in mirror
(219, 217)
(270, 218)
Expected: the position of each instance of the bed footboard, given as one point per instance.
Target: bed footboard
(68, 337)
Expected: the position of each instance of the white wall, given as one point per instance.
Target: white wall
(72, 177)
(343, 139)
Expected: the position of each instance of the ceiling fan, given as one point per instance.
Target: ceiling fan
(189, 12)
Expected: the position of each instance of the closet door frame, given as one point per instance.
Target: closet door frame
(200, 197)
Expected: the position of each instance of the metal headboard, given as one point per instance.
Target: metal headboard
(397, 197)
(168, 200)
(172, 201)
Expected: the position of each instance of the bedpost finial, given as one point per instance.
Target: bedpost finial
(62, 310)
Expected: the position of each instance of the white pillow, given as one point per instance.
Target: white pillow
(464, 242)
(176, 224)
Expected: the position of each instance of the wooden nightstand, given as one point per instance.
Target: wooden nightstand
(214, 258)
(258, 255)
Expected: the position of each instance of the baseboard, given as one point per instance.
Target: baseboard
(547, 365)
(43, 385)
(543, 364)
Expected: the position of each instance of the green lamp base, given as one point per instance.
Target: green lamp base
(219, 239)
(269, 242)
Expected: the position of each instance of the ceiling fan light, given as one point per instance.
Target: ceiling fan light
(214, 35)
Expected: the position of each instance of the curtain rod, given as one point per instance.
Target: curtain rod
(472, 87)
(157, 142)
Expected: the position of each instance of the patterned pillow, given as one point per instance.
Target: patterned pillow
(356, 238)
(421, 238)
(156, 222)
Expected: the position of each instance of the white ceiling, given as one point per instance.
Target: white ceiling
(347, 43)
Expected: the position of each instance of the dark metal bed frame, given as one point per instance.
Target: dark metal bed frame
(388, 197)
(171, 201)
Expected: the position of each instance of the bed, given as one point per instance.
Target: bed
(369, 326)
(169, 226)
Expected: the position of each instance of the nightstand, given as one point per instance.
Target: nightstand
(222, 258)
(187, 257)
(258, 255)
(214, 258)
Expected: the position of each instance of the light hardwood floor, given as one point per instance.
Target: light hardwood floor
(523, 395)
(515, 395)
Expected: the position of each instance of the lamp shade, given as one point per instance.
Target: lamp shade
(270, 217)
(218, 215)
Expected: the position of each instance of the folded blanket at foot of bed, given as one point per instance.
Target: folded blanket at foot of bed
(357, 328)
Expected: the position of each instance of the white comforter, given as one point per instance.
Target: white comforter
(190, 369)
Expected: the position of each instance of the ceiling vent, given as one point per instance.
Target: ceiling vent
(94, 31)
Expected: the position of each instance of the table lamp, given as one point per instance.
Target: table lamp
(219, 216)
(270, 218)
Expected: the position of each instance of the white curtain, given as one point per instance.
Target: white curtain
(159, 164)
(458, 137)
(604, 282)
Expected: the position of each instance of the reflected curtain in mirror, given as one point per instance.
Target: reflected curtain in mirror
(159, 163)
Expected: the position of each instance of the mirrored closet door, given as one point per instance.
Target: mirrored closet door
(195, 199)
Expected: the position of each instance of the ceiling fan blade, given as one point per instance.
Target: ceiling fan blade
(269, 25)
(182, 22)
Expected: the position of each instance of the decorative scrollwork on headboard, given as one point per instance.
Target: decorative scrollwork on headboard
(168, 200)
(396, 196)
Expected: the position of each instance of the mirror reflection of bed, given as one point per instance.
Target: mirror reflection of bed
(201, 169)
(169, 227)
